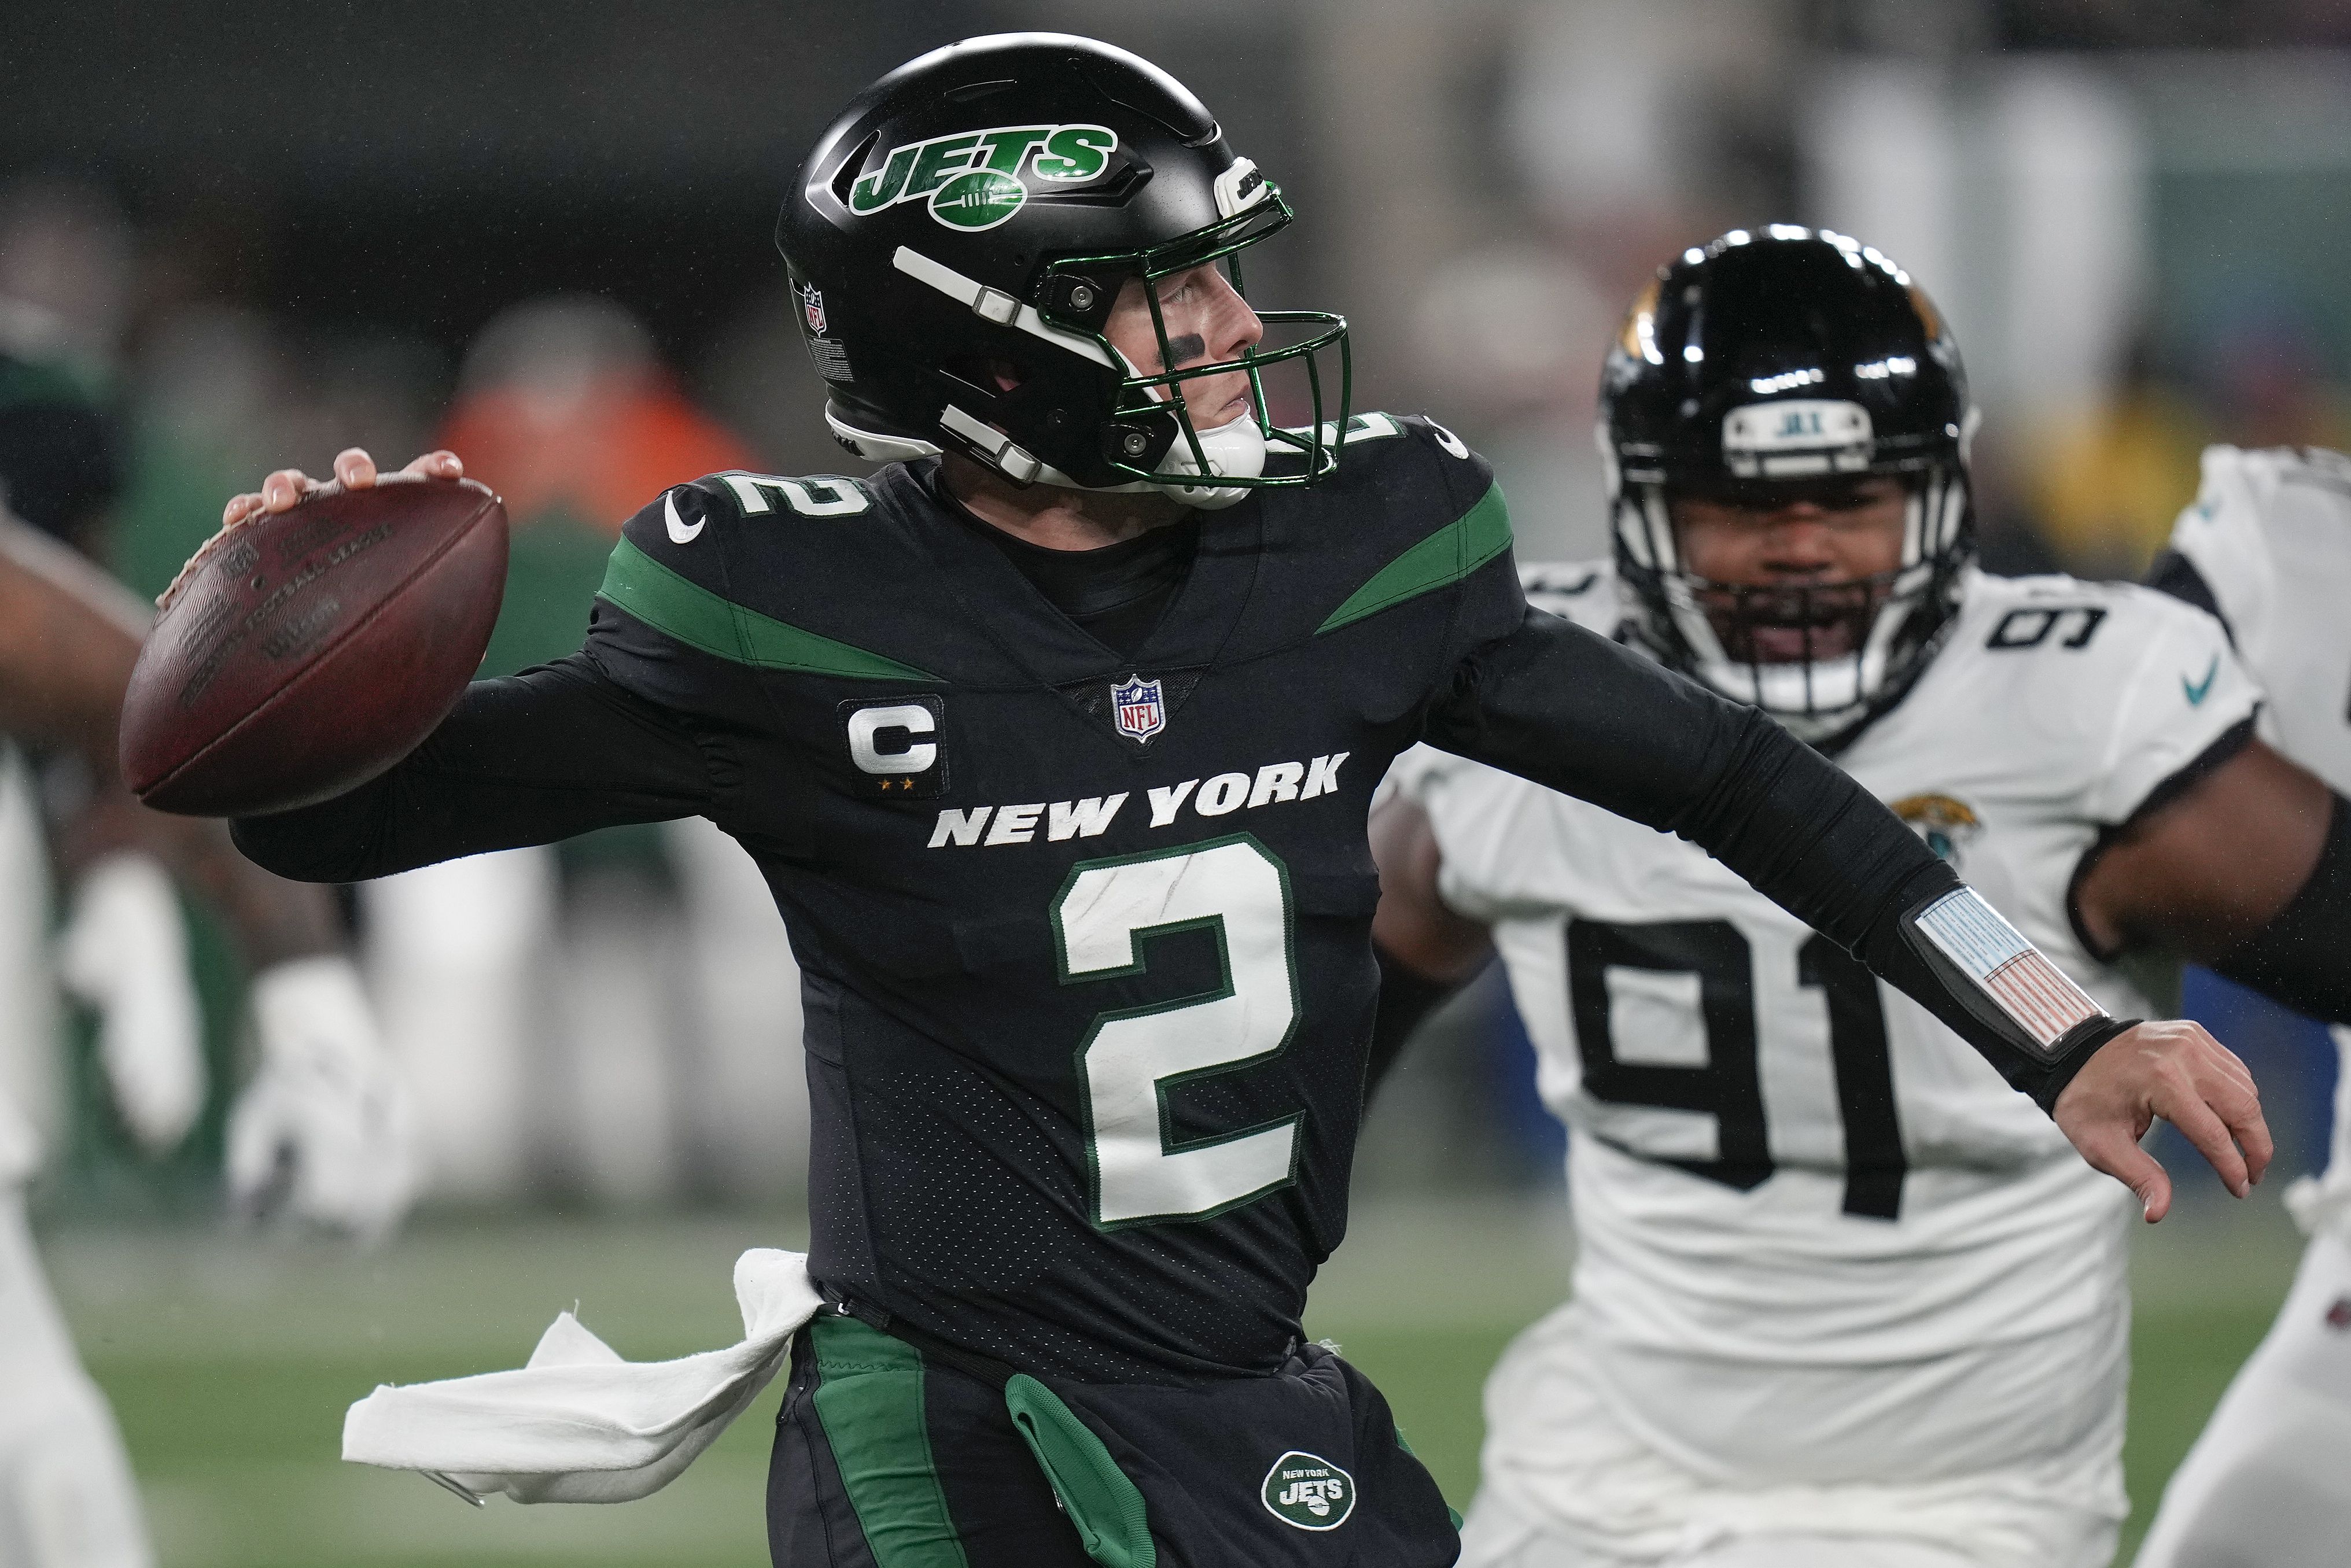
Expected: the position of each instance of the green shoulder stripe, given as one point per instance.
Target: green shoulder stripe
(1441, 560)
(700, 619)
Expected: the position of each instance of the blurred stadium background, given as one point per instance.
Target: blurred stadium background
(256, 232)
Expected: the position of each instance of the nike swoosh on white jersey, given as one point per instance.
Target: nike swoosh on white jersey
(679, 534)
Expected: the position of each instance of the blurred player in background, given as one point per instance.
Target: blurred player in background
(321, 1133)
(517, 1000)
(1840, 1296)
(62, 266)
(62, 263)
(2267, 548)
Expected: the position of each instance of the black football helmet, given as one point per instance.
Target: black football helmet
(1763, 361)
(967, 222)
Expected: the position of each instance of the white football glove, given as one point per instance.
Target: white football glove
(324, 1132)
(124, 952)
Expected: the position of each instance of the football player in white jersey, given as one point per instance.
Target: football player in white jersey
(320, 1132)
(1842, 1296)
(2267, 547)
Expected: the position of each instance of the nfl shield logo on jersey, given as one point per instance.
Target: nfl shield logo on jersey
(1137, 708)
(812, 306)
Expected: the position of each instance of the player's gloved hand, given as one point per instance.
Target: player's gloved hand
(2182, 1074)
(124, 952)
(354, 470)
(324, 1134)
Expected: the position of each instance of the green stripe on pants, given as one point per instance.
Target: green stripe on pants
(869, 1399)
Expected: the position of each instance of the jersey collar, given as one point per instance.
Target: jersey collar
(1037, 638)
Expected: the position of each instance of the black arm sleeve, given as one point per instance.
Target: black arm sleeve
(554, 751)
(1573, 711)
(2297, 957)
(1406, 998)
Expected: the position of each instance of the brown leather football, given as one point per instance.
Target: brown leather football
(306, 652)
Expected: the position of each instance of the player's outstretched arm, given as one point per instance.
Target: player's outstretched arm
(68, 636)
(554, 752)
(2247, 870)
(1574, 712)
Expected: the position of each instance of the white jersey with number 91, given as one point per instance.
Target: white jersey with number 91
(1813, 1223)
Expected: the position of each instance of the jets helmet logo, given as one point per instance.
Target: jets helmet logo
(1309, 1492)
(973, 179)
(1138, 708)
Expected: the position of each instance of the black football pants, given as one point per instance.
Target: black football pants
(888, 1457)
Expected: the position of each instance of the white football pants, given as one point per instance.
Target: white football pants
(67, 1498)
(2268, 1484)
(1568, 1484)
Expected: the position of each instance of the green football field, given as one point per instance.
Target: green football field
(230, 1362)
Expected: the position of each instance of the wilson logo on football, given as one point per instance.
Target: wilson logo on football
(973, 179)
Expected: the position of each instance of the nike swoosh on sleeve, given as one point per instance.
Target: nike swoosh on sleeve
(679, 534)
(2199, 690)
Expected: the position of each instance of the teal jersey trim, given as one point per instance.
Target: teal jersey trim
(698, 618)
(869, 1399)
(1440, 560)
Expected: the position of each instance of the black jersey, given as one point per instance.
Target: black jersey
(1085, 937)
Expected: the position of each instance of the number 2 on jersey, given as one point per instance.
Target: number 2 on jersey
(1727, 1086)
(1132, 1057)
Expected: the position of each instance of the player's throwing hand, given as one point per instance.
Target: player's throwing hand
(2177, 1072)
(353, 469)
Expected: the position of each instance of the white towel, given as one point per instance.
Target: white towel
(578, 1423)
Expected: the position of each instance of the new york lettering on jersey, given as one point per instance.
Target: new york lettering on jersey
(1760, 1121)
(1085, 935)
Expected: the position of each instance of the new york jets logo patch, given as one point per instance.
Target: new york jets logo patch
(1309, 1492)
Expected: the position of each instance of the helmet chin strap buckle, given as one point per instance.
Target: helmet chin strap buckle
(995, 305)
(1012, 460)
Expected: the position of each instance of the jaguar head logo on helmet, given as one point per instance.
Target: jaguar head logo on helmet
(1790, 373)
(973, 221)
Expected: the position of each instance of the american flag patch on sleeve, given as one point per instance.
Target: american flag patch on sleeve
(2012, 971)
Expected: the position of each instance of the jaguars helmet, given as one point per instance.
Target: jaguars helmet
(967, 223)
(1764, 360)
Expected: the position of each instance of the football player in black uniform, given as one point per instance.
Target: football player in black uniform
(1055, 739)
